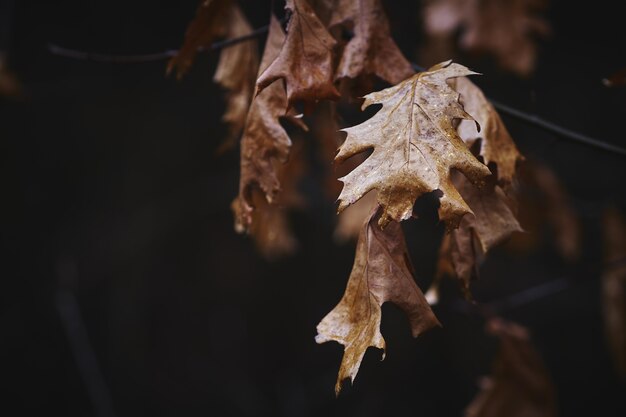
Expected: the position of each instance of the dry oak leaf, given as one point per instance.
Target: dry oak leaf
(496, 144)
(305, 61)
(265, 145)
(614, 287)
(415, 147)
(504, 28)
(546, 206)
(381, 272)
(519, 385)
(210, 22)
(371, 50)
(270, 229)
(491, 223)
(236, 72)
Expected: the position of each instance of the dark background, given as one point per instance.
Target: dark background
(112, 193)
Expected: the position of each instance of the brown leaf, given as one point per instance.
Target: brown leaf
(496, 144)
(236, 72)
(519, 385)
(372, 50)
(210, 22)
(491, 223)
(614, 287)
(305, 59)
(503, 28)
(381, 272)
(415, 146)
(265, 144)
(545, 205)
(270, 228)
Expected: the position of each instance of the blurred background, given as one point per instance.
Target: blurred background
(125, 290)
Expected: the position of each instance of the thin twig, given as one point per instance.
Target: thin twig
(531, 119)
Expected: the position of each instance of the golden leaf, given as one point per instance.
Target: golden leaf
(305, 59)
(415, 147)
(381, 272)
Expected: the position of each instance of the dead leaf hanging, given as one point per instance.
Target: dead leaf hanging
(503, 28)
(236, 72)
(415, 147)
(491, 223)
(305, 61)
(519, 385)
(210, 22)
(381, 272)
(496, 144)
(265, 144)
(269, 228)
(372, 50)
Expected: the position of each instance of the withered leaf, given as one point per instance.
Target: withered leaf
(614, 287)
(415, 147)
(236, 72)
(545, 205)
(210, 22)
(491, 223)
(496, 144)
(305, 60)
(381, 272)
(503, 28)
(265, 144)
(371, 50)
(269, 228)
(519, 385)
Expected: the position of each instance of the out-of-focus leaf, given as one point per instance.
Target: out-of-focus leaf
(519, 385)
(236, 72)
(305, 61)
(265, 145)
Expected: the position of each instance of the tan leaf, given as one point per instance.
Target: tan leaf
(491, 223)
(496, 144)
(504, 28)
(415, 147)
(371, 50)
(236, 72)
(614, 287)
(381, 272)
(265, 144)
(519, 385)
(210, 22)
(305, 59)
